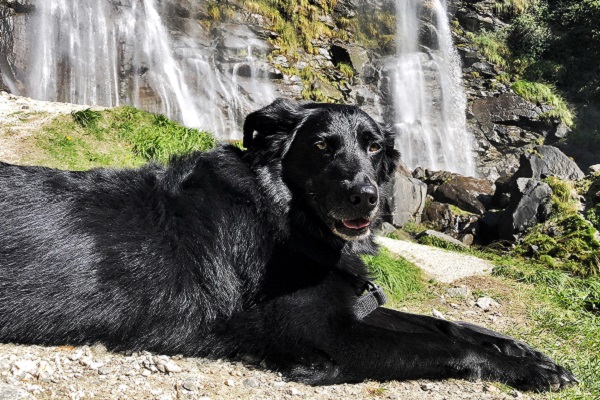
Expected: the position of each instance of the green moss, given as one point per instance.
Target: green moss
(493, 46)
(297, 23)
(563, 202)
(398, 276)
(458, 211)
(513, 7)
(346, 69)
(540, 93)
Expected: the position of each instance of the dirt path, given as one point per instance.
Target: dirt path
(441, 265)
(93, 373)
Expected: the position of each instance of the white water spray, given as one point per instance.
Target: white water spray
(429, 101)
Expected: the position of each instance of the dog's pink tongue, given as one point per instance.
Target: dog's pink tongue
(356, 223)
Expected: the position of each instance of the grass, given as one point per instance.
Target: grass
(541, 93)
(120, 137)
(398, 276)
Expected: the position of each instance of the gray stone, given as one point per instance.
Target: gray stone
(485, 303)
(441, 236)
(462, 292)
(592, 169)
(8, 392)
(530, 203)
(408, 200)
(251, 383)
(547, 161)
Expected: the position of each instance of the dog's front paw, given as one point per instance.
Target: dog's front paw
(532, 374)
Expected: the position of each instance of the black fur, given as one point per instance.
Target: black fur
(233, 252)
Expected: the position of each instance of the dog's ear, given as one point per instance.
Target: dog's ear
(391, 156)
(272, 122)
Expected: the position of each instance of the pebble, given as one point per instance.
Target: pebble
(437, 314)
(8, 392)
(251, 383)
(427, 387)
(485, 303)
(461, 291)
(229, 382)
(294, 392)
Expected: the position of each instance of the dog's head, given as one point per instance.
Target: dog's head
(332, 158)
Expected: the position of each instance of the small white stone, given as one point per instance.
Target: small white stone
(437, 314)
(229, 382)
(294, 392)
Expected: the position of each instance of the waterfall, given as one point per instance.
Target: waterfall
(115, 53)
(429, 101)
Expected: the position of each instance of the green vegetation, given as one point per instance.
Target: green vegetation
(120, 137)
(396, 275)
(543, 94)
(566, 241)
(86, 118)
(297, 23)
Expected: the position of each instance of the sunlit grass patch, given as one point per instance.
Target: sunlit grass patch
(398, 276)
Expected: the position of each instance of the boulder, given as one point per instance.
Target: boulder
(467, 193)
(592, 169)
(530, 203)
(408, 200)
(545, 161)
(438, 215)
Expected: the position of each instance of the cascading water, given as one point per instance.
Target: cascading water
(429, 101)
(95, 52)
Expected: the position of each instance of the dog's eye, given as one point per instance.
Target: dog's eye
(321, 145)
(374, 148)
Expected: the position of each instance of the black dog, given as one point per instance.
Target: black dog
(233, 252)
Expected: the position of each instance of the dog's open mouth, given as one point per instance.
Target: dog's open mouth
(352, 228)
(356, 224)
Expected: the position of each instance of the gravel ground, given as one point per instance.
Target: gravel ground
(442, 265)
(37, 372)
(20, 117)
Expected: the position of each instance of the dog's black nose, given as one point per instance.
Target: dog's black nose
(364, 196)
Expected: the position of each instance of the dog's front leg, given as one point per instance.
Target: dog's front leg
(366, 351)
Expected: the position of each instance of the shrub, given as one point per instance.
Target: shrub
(541, 93)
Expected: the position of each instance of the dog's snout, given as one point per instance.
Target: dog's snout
(364, 196)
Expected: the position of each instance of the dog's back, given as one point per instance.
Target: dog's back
(85, 255)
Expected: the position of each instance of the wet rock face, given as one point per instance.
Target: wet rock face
(530, 203)
(408, 201)
(469, 194)
(546, 161)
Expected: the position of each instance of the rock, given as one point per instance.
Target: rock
(408, 200)
(165, 365)
(251, 383)
(592, 169)
(462, 291)
(469, 194)
(437, 314)
(545, 161)
(403, 169)
(229, 382)
(441, 236)
(23, 367)
(529, 204)
(419, 173)
(8, 392)
(438, 215)
(485, 303)
(427, 387)
(294, 392)
(385, 229)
